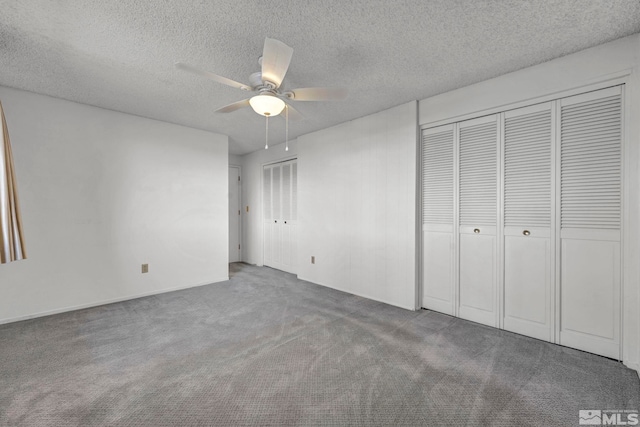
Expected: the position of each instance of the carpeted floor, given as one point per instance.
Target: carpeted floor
(266, 349)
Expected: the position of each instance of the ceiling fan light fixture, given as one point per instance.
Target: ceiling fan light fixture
(267, 105)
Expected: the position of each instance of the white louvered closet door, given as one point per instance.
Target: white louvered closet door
(590, 220)
(267, 209)
(287, 223)
(280, 212)
(528, 221)
(478, 216)
(438, 252)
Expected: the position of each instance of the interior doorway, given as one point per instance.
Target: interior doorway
(235, 218)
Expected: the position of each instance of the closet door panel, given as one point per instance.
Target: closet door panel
(590, 216)
(478, 278)
(438, 271)
(527, 279)
(287, 222)
(267, 201)
(276, 194)
(528, 203)
(590, 295)
(478, 213)
(438, 219)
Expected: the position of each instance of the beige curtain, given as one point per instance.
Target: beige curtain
(11, 236)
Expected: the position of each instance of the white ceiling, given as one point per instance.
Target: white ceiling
(120, 54)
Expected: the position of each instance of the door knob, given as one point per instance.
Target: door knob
(526, 232)
(275, 220)
(285, 222)
(476, 230)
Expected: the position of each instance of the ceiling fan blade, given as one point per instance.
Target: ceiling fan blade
(276, 57)
(318, 94)
(214, 77)
(233, 107)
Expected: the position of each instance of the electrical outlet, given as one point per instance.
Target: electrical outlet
(145, 268)
(313, 260)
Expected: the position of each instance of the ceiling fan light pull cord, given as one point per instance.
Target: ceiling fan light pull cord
(286, 127)
(266, 138)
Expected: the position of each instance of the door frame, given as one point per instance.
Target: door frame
(240, 225)
(261, 222)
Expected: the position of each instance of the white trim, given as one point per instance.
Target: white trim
(363, 295)
(603, 82)
(106, 302)
(241, 250)
(500, 250)
(419, 195)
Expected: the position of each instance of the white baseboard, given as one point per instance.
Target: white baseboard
(105, 302)
(348, 291)
(634, 366)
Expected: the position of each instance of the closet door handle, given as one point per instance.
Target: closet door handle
(476, 230)
(285, 222)
(275, 220)
(526, 232)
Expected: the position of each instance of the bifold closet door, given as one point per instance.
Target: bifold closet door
(271, 208)
(438, 253)
(287, 223)
(528, 206)
(590, 221)
(280, 215)
(478, 216)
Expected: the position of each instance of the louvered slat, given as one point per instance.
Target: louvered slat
(527, 172)
(590, 164)
(437, 177)
(478, 171)
(276, 192)
(294, 183)
(286, 191)
(266, 182)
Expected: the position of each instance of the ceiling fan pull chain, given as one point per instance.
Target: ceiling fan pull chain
(266, 144)
(286, 127)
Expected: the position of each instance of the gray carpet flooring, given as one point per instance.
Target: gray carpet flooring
(266, 349)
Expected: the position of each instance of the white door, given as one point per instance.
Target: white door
(235, 204)
(528, 221)
(478, 216)
(438, 251)
(280, 215)
(590, 221)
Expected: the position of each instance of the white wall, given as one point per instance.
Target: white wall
(235, 160)
(356, 208)
(103, 192)
(616, 60)
(252, 221)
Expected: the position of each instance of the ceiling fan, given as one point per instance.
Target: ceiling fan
(267, 83)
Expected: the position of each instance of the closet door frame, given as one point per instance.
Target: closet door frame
(263, 220)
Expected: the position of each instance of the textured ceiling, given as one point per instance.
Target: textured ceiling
(120, 54)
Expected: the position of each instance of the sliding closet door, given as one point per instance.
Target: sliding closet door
(528, 207)
(280, 212)
(438, 219)
(478, 216)
(590, 221)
